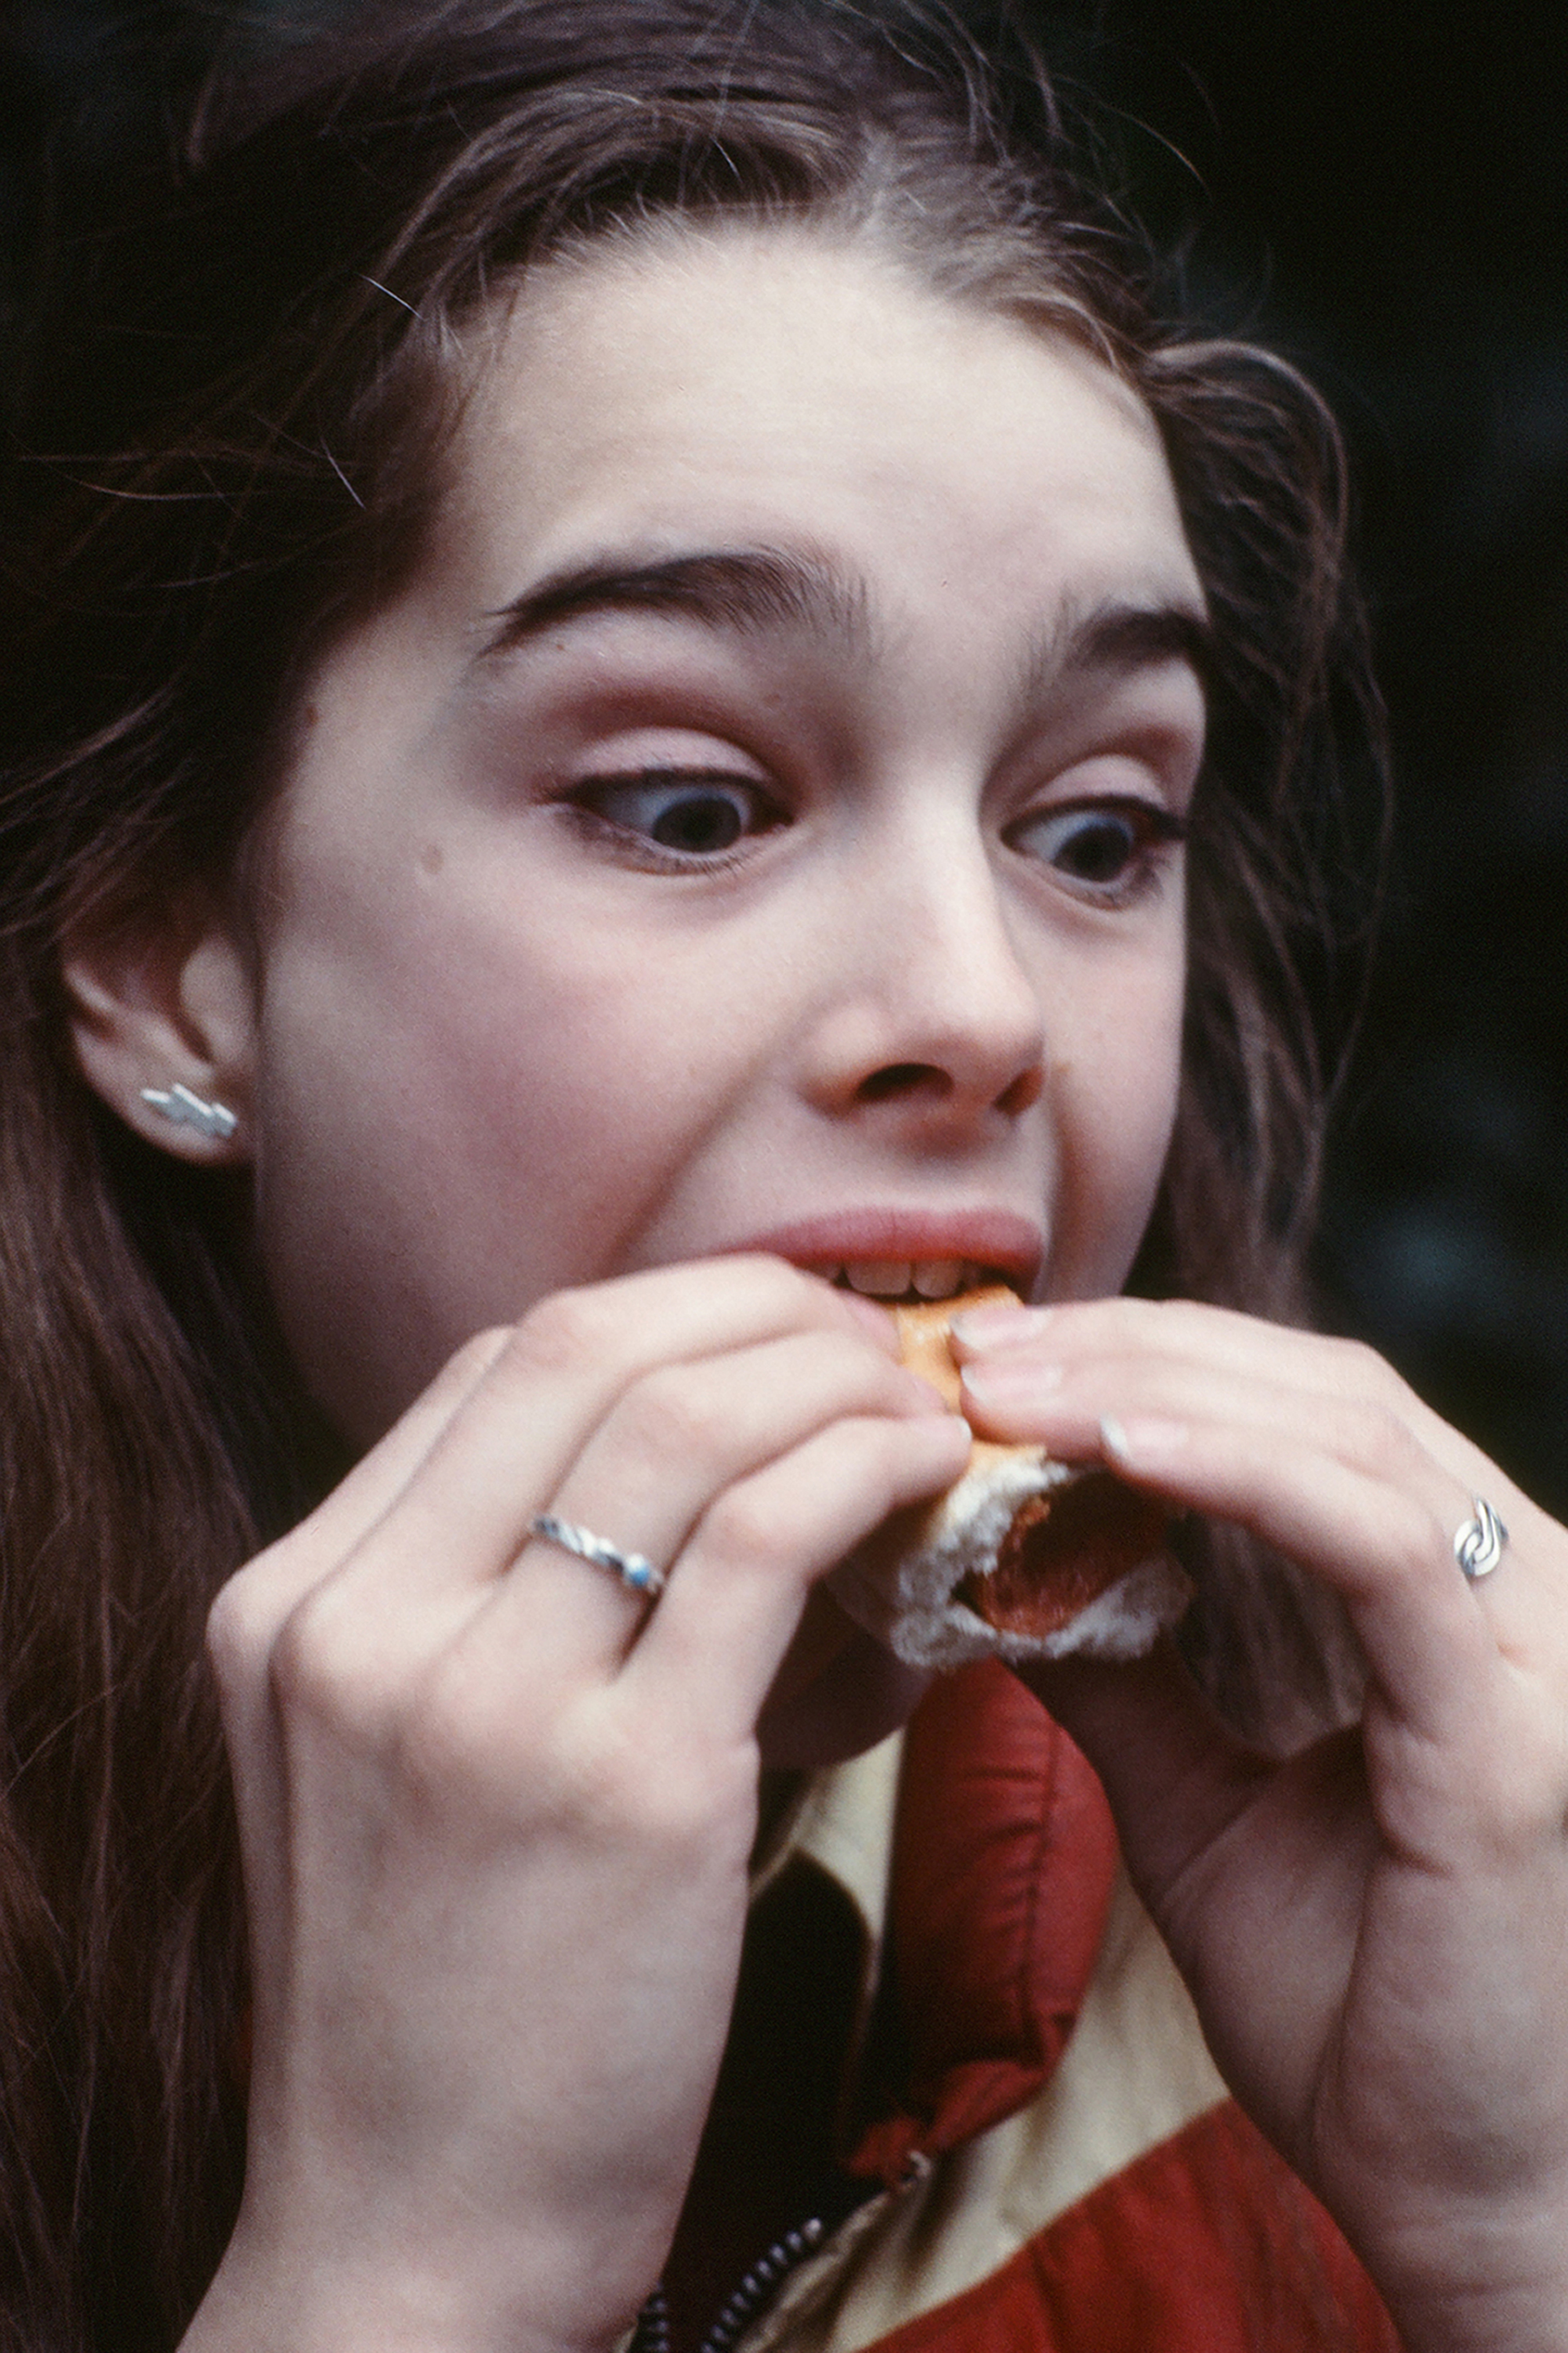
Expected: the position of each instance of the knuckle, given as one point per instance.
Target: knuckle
(848, 1361)
(607, 1783)
(892, 1467)
(792, 1300)
(677, 1812)
(446, 1737)
(884, 1457)
(671, 1814)
(1376, 1439)
(563, 1333)
(1175, 1324)
(323, 1670)
(677, 1410)
(477, 1354)
(1411, 1541)
(1361, 1372)
(777, 1281)
(587, 1779)
(743, 1525)
(238, 1630)
(456, 1749)
(245, 1612)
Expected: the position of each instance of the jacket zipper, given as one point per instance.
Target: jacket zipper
(764, 2281)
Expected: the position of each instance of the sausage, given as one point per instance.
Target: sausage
(1024, 1558)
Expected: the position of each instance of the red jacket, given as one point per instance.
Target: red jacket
(1169, 2225)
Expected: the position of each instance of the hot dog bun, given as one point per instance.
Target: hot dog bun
(1024, 1557)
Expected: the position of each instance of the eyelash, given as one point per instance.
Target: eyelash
(638, 844)
(1152, 829)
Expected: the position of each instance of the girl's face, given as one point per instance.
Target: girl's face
(755, 825)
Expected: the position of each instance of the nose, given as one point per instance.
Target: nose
(935, 1010)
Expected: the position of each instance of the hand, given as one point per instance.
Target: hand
(495, 1810)
(1376, 1932)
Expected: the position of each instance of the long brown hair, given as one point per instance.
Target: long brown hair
(229, 442)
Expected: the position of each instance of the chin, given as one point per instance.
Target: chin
(837, 1696)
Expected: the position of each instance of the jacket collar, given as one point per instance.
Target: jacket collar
(1003, 1858)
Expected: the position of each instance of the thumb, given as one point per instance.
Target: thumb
(1175, 1778)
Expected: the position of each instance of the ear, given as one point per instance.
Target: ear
(163, 1002)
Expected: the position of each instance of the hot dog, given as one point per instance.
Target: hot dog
(1024, 1557)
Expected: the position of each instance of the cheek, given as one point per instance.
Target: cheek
(1115, 1090)
(461, 1111)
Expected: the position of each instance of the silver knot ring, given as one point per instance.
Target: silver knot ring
(637, 1574)
(1478, 1547)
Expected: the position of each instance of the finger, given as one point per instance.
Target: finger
(367, 1492)
(1073, 1334)
(695, 1680)
(1351, 1494)
(1375, 1423)
(1151, 1412)
(716, 1637)
(1181, 1329)
(256, 1602)
(1223, 1847)
(1166, 1423)
(674, 1441)
(1174, 1776)
(465, 1516)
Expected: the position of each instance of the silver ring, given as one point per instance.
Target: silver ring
(637, 1574)
(1478, 1547)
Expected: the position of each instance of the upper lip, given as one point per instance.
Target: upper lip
(999, 1239)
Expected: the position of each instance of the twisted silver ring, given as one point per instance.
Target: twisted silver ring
(637, 1574)
(1478, 1547)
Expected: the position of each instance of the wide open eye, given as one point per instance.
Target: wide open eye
(1107, 848)
(685, 811)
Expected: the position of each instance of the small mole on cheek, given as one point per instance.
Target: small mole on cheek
(432, 858)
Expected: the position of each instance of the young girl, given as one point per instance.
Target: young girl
(646, 704)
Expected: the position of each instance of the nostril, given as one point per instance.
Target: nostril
(1024, 1093)
(904, 1078)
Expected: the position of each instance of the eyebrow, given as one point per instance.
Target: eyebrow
(1121, 638)
(754, 590)
(748, 590)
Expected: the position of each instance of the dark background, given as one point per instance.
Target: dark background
(1381, 192)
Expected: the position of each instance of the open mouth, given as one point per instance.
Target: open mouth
(901, 1281)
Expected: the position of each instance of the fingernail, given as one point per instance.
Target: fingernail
(923, 1396)
(995, 1384)
(999, 1327)
(954, 1424)
(876, 1322)
(1144, 1440)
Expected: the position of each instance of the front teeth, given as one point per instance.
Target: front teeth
(938, 1277)
(890, 1278)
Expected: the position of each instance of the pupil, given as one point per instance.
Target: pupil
(705, 823)
(1099, 852)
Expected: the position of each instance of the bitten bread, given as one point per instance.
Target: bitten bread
(1024, 1557)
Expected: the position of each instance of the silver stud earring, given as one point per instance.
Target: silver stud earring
(181, 1108)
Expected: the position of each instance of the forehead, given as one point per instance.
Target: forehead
(765, 386)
